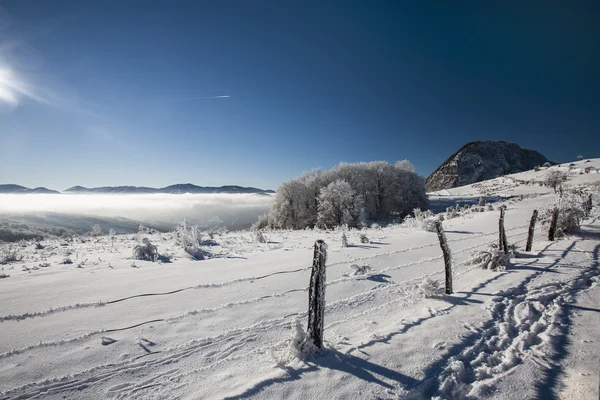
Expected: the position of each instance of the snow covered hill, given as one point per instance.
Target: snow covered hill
(483, 160)
(81, 319)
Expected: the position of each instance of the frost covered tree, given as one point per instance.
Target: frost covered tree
(555, 179)
(289, 207)
(385, 190)
(406, 165)
(338, 205)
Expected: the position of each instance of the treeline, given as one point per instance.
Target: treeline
(348, 194)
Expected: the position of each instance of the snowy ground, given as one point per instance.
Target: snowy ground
(108, 327)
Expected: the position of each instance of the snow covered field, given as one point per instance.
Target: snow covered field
(109, 327)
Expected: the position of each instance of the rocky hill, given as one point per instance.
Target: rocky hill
(482, 160)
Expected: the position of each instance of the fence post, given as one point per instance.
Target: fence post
(552, 231)
(447, 255)
(316, 295)
(531, 230)
(502, 245)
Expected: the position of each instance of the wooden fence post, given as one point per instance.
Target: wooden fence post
(531, 230)
(316, 295)
(502, 245)
(552, 230)
(447, 255)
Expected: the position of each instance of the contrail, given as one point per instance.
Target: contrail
(207, 97)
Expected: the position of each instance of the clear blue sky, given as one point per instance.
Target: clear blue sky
(254, 92)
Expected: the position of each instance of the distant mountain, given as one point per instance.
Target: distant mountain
(112, 189)
(480, 161)
(181, 188)
(18, 189)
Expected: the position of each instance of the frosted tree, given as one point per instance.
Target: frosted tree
(289, 207)
(405, 165)
(382, 189)
(555, 179)
(338, 205)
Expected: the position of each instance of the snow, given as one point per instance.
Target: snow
(109, 327)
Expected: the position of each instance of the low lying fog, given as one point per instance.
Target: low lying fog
(234, 210)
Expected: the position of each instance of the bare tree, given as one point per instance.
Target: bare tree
(555, 179)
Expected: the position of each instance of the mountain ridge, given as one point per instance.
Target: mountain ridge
(18, 189)
(180, 188)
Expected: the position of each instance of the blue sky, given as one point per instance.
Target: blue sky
(254, 92)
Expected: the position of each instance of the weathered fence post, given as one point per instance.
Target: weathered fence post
(502, 245)
(447, 255)
(531, 230)
(552, 231)
(316, 295)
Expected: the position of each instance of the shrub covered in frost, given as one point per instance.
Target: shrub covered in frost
(572, 209)
(555, 179)
(145, 251)
(260, 237)
(298, 346)
(493, 258)
(190, 238)
(261, 223)
(96, 230)
(344, 240)
(10, 253)
(423, 220)
(364, 239)
(431, 287)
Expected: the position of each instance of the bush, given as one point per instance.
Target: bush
(431, 287)
(572, 209)
(261, 223)
(10, 253)
(493, 259)
(364, 239)
(145, 251)
(423, 220)
(555, 179)
(190, 238)
(96, 230)
(145, 230)
(260, 237)
(344, 240)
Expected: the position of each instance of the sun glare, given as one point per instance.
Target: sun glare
(7, 92)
